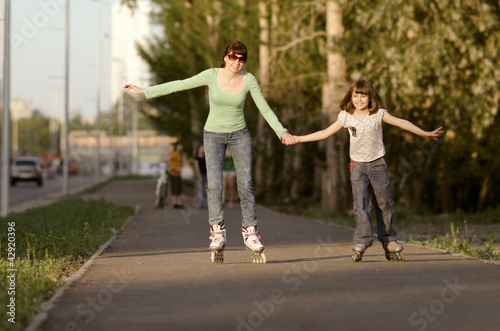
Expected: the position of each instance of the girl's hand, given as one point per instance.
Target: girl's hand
(134, 90)
(297, 139)
(434, 134)
(287, 139)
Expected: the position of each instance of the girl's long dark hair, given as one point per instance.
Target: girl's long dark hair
(366, 88)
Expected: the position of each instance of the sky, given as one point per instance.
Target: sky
(38, 55)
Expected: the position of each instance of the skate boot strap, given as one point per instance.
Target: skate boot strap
(213, 234)
(219, 237)
(248, 235)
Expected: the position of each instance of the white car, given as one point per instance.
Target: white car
(26, 169)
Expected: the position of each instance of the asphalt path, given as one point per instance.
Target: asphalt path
(157, 275)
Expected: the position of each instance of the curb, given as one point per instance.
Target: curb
(43, 311)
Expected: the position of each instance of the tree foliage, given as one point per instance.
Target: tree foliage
(433, 62)
(33, 135)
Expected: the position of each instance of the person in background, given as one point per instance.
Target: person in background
(200, 168)
(174, 174)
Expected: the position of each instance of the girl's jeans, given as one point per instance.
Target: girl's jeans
(366, 178)
(240, 144)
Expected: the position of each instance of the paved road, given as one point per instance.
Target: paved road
(29, 194)
(157, 275)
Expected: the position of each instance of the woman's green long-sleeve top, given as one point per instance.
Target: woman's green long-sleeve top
(226, 110)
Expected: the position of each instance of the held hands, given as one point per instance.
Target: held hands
(287, 139)
(434, 134)
(133, 90)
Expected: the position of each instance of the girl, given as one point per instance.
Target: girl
(362, 114)
(225, 126)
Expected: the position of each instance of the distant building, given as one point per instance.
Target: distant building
(129, 27)
(151, 148)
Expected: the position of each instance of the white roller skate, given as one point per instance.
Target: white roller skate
(251, 240)
(359, 250)
(393, 251)
(218, 237)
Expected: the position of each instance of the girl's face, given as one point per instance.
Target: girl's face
(360, 101)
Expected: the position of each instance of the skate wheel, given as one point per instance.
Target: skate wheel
(395, 257)
(357, 257)
(259, 258)
(399, 257)
(217, 257)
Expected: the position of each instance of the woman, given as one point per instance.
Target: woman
(225, 126)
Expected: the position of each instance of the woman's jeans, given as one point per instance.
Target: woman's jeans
(366, 178)
(240, 144)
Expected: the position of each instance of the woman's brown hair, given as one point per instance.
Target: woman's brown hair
(235, 47)
(366, 88)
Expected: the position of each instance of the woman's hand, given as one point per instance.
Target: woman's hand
(287, 139)
(134, 90)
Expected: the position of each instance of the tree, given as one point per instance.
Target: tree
(34, 135)
(432, 62)
(334, 89)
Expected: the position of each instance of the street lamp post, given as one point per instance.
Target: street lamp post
(98, 94)
(66, 105)
(6, 113)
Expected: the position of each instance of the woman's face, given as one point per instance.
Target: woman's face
(235, 62)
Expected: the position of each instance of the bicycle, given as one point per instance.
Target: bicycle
(161, 188)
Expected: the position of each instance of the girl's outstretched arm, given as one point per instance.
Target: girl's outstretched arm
(319, 135)
(408, 126)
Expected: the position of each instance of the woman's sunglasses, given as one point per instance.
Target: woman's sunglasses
(234, 57)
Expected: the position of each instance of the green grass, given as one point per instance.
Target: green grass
(453, 242)
(99, 186)
(51, 242)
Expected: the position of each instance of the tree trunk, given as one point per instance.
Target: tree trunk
(333, 91)
(196, 126)
(264, 56)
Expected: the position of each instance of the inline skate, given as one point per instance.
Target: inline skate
(359, 250)
(218, 237)
(251, 240)
(393, 251)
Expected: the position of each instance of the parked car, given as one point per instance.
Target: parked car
(26, 169)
